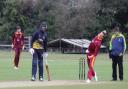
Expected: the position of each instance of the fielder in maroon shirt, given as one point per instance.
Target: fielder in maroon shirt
(17, 45)
(92, 52)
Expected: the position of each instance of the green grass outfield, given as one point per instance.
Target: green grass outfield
(62, 67)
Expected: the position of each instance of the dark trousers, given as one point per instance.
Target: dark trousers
(117, 60)
(17, 56)
(37, 60)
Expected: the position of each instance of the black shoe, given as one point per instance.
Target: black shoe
(114, 80)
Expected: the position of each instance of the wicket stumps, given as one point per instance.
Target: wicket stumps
(82, 69)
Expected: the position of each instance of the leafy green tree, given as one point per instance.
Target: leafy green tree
(65, 18)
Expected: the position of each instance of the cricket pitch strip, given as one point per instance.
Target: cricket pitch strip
(15, 84)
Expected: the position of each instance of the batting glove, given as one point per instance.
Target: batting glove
(45, 54)
(31, 50)
(121, 54)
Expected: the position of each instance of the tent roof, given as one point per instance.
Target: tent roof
(77, 42)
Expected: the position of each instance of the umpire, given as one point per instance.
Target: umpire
(117, 49)
(38, 46)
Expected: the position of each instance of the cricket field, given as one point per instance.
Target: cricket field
(64, 70)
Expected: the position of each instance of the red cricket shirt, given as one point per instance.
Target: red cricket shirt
(94, 46)
(18, 39)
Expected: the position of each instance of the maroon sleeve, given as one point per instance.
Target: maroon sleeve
(97, 44)
(23, 38)
(13, 38)
(91, 48)
(97, 48)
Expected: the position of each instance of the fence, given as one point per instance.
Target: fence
(6, 46)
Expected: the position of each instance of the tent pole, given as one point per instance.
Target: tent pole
(60, 45)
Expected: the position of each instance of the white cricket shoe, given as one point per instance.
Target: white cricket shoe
(88, 81)
(16, 68)
(96, 78)
(33, 79)
(41, 79)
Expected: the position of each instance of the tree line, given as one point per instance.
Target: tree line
(65, 18)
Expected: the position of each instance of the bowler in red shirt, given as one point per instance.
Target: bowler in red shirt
(17, 45)
(92, 52)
